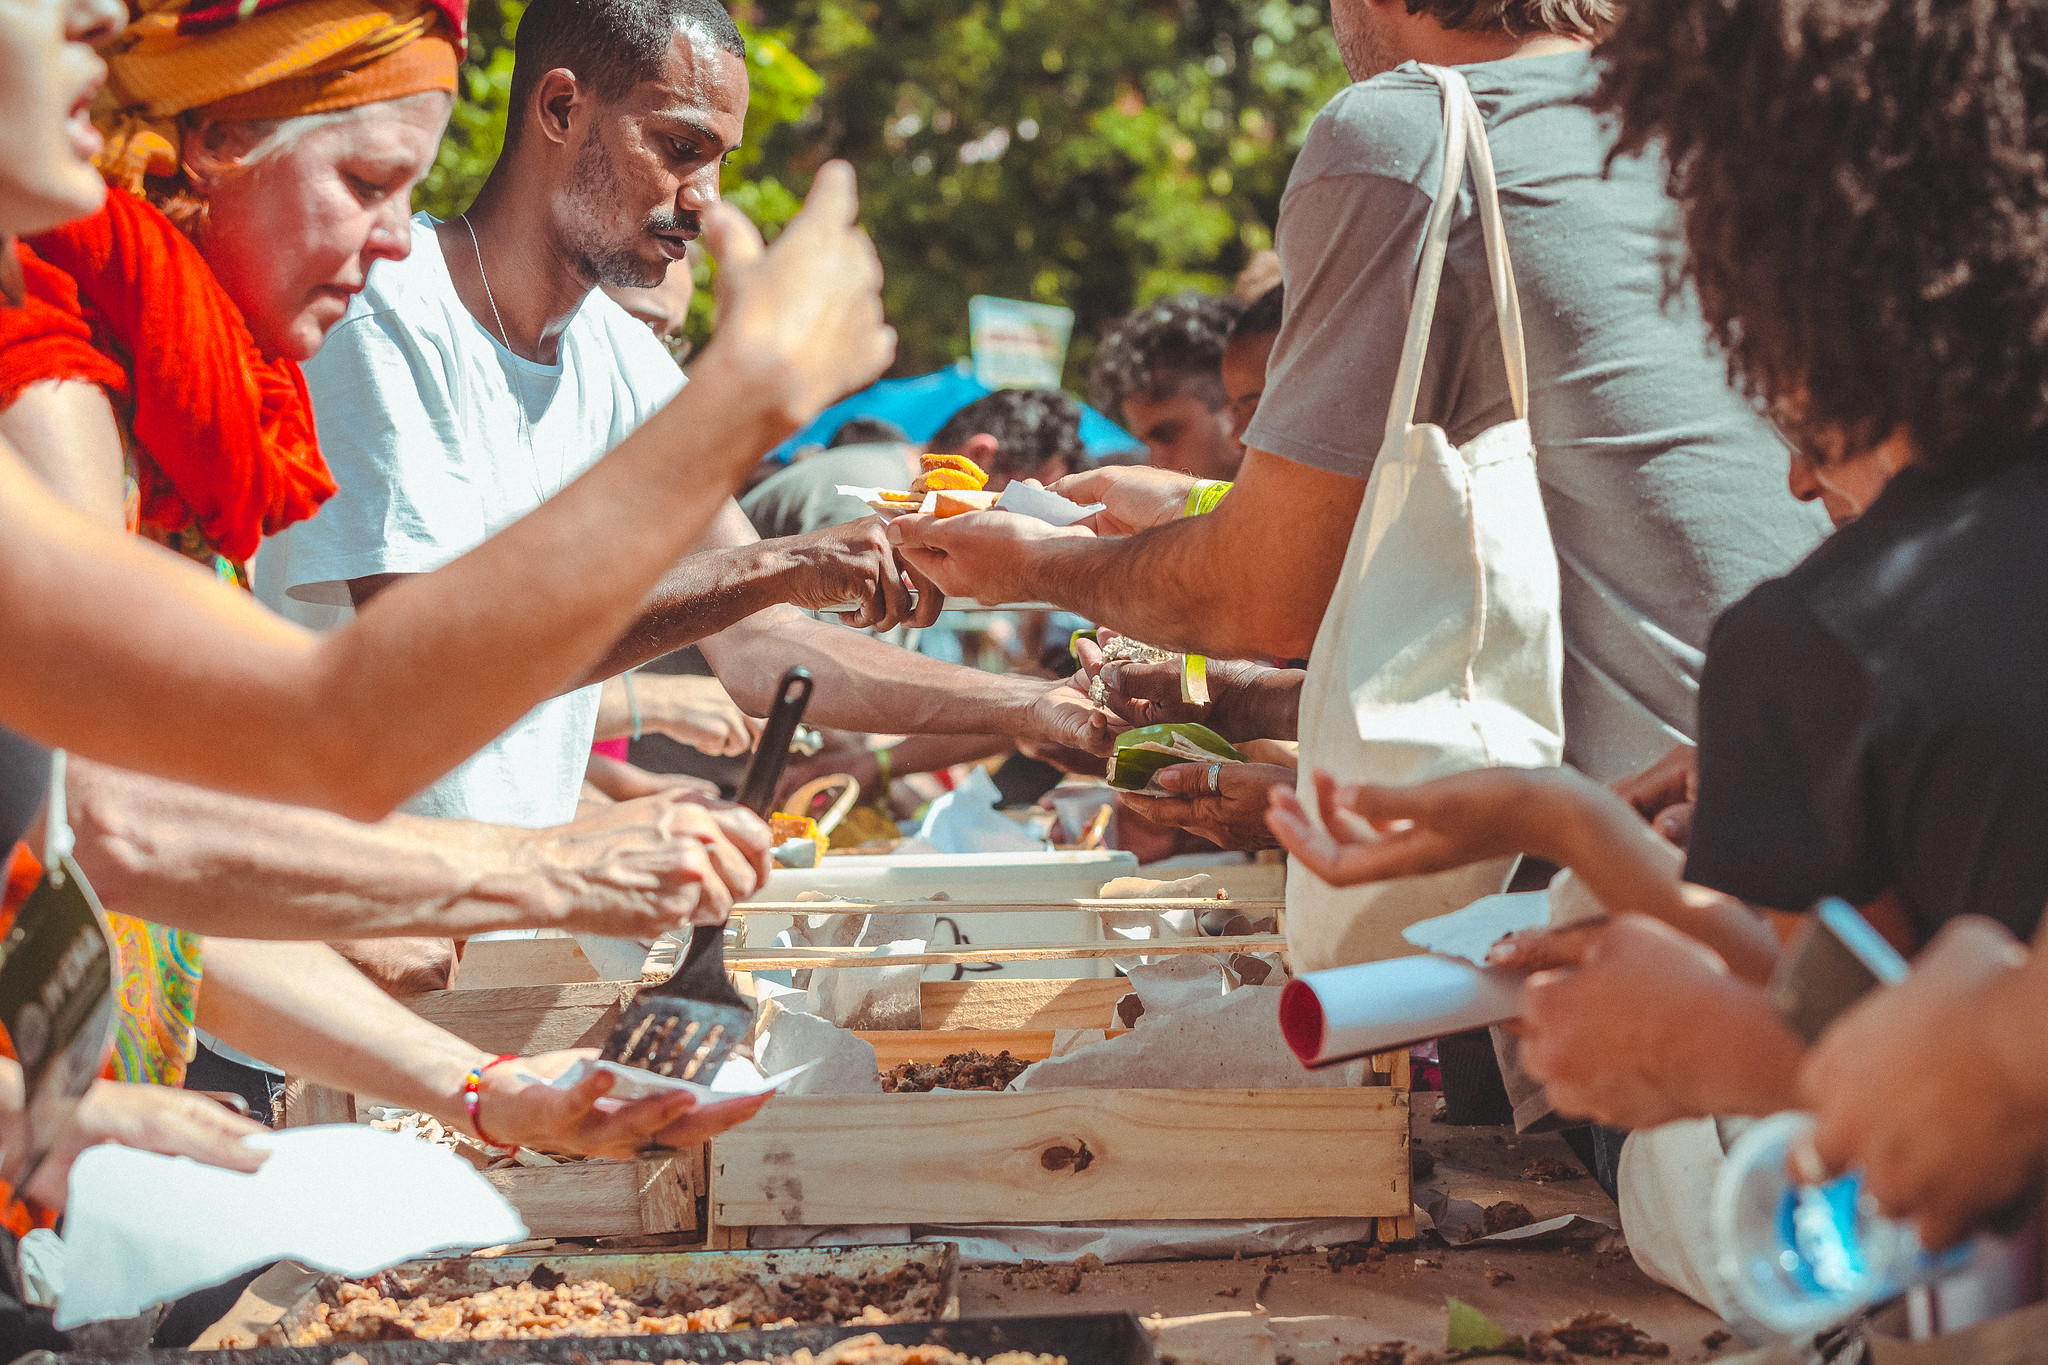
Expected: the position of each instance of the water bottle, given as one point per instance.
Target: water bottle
(1798, 1257)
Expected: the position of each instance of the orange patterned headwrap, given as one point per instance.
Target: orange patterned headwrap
(263, 59)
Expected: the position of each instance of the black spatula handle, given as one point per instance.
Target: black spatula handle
(771, 755)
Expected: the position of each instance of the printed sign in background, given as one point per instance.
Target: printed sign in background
(1018, 345)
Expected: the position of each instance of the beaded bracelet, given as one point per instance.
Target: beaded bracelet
(472, 1102)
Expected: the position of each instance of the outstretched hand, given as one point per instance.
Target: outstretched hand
(988, 556)
(1371, 833)
(805, 315)
(583, 1121)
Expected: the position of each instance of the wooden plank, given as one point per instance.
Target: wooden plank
(528, 1019)
(306, 1103)
(1021, 1002)
(778, 959)
(602, 1198)
(1059, 1155)
(1254, 909)
(893, 1047)
(496, 962)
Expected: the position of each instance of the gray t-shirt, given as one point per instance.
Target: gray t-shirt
(1665, 491)
(804, 497)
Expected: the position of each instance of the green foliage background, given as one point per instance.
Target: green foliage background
(1092, 153)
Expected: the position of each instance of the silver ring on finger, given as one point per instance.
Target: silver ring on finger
(1215, 779)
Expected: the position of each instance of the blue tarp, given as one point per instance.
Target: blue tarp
(921, 405)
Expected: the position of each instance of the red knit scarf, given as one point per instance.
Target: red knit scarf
(225, 435)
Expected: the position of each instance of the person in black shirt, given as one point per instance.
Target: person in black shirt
(1864, 199)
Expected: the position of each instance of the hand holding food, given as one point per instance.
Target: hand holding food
(1225, 803)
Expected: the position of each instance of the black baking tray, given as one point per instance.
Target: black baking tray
(1083, 1338)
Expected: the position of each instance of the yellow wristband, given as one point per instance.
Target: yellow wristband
(1203, 497)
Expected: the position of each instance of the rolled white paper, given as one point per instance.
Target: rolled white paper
(1345, 1012)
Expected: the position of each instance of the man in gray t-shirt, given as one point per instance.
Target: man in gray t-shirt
(1665, 491)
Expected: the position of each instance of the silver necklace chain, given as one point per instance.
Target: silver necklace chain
(518, 379)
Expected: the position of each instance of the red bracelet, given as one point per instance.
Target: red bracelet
(473, 1102)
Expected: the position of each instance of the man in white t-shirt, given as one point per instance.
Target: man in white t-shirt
(471, 381)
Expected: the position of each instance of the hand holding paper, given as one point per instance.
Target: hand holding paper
(567, 1102)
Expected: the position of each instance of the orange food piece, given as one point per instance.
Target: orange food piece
(952, 504)
(944, 480)
(959, 462)
(783, 828)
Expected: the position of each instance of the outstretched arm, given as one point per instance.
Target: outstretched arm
(867, 684)
(225, 865)
(1370, 833)
(300, 1007)
(1251, 578)
(168, 673)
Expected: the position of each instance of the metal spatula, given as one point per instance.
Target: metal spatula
(689, 1024)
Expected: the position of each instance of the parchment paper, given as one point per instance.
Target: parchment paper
(342, 1197)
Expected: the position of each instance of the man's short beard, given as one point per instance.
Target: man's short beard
(1358, 41)
(593, 200)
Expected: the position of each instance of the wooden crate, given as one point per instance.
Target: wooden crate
(1066, 1155)
(1061, 1155)
(590, 1199)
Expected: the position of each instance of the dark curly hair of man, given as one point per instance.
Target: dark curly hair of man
(1864, 185)
(1031, 426)
(1164, 349)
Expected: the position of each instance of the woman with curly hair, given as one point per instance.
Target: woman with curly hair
(1864, 191)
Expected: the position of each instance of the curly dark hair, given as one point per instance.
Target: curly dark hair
(1865, 201)
(1166, 348)
(1031, 426)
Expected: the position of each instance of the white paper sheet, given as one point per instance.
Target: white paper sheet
(736, 1079)
(1030, 500)
(1470, 932)
(141, 1229)
(1369, 1007)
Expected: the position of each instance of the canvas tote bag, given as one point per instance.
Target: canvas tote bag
(1441, 649)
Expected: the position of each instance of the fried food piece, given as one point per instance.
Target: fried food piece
(949, 473)
(1598, 1333)
(959, 462)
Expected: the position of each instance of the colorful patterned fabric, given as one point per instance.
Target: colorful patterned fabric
(262, 61)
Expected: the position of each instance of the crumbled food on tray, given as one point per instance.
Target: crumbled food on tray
(1545, 1169)
(438, 1307)
(872, 1350)
(1599, 1334)
(960, 1071)
(1506, 1216)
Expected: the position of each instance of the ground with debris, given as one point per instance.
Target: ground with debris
(1334, 1308)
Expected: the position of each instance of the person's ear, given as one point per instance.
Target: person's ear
(556, 98)
(980, 448)
(214, 148)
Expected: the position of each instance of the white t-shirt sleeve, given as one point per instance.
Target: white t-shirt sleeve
(404, 502)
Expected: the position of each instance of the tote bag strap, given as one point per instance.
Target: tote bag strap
(1464, 143)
